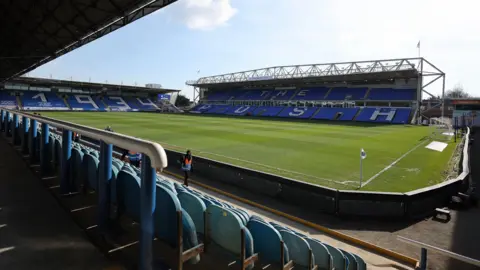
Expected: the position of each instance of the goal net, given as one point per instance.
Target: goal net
(442, 129)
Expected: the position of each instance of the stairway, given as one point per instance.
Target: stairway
(66, 103)
(19, 102)
(367, 93)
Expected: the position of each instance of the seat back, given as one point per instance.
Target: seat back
(266, 242)
(298, 248)
(195, 207)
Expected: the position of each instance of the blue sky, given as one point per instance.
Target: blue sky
(220, 36)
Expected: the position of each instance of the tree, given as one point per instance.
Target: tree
(182, 101)
(457, 92)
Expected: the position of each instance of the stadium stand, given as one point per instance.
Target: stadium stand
(366, 114)
(84, 103)
(38, 101)
(204, 219)
(42, 101)
(316, 103)
(7, 100)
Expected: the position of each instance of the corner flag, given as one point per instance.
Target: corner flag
(363, 154)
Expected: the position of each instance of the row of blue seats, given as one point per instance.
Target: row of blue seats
(223, 221)
(47, 100)
(315, 93)
(367, 114)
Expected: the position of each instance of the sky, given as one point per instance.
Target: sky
(214, 37)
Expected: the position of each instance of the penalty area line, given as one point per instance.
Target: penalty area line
(392, 164)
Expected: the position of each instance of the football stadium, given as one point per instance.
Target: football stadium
(337, 119)
(349, 165)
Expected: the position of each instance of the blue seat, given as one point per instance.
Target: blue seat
(91, 163)
(298, 249)
(58, 152)
(165, 218)
(361, 265)
(195, 207)
(76, 161)
(224, 228)
(352, 262)
(266, 242)
(338, 259)
(128, 194)
(322, 257)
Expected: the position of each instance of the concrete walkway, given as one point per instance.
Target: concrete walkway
(35, 232)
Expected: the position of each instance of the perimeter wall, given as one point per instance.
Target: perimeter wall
(415, 204)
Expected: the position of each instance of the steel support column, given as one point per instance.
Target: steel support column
(147, 208)
(65, 161)
(105, 175)
(32, 141)
(44, 151)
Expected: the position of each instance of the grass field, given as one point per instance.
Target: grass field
(327, 154)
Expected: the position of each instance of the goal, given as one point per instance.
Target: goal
(442, 129)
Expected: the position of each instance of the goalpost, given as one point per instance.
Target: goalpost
(442, 129)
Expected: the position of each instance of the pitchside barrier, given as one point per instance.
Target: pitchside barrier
(414, 204)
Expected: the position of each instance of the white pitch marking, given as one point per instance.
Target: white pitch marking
(392, 164)
(266, 166)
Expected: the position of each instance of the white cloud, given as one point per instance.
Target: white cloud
(205, 14)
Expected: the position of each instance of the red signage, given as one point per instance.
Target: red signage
(466, 101)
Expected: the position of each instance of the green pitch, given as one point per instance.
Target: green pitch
(322, 153)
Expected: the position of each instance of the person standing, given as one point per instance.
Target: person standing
(187, 166)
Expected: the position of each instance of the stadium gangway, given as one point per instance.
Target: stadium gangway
(424, 247)
(154, 158)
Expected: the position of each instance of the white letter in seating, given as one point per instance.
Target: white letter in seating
(297, 112)
(85, 99)
(148, 103)
(242, 109)
(41, 96)
(120, 103)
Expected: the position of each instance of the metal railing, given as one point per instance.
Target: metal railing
(424, 247)
(154, 150)
(24, 131)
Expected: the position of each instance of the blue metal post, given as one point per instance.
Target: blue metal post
(44, 150)
(8, 125)
(423, 259)
(104, 177)
(147, 208)
(15, 129)
(24, 135)
(33, 141)
(2, 120)
(65, 161)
